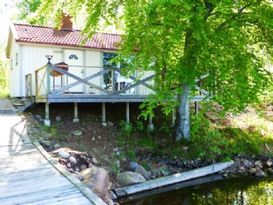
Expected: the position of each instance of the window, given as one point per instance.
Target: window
(73, 56)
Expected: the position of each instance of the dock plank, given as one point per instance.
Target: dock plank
(26, 177)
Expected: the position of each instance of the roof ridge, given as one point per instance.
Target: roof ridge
(78, 30)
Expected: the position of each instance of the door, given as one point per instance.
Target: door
(74, 59)
(58, 81)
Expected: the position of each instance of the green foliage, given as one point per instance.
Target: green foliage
(126, 128)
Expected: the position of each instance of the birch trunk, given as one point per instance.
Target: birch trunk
(183, 115)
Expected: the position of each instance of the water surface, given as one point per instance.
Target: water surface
(225, 192)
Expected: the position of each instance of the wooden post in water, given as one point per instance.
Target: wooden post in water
(47, 119)
(127, 112)
(103, 114)
(76, 113)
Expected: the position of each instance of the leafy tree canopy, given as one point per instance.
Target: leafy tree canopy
(181, 40)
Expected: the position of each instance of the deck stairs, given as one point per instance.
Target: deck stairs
(21, 104)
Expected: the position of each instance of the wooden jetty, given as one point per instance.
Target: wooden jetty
(26, 177)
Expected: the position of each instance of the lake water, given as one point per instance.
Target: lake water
(223, 192)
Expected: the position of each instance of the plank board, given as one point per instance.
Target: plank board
(26, 177)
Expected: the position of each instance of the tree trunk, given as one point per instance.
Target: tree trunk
(183, 115)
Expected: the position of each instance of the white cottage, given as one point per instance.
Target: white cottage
(57, 66)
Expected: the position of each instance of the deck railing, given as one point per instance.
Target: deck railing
(90, 80)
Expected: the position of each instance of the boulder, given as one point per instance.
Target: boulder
(258, 164)
(58, 118)
(269, 163)
(77, 133)
(141, 170)
(269, 171)
(98, 180)
(260, 173)
(133, 166)
(63, 154)
(46, 143)
(129, 178)
(252, 171)
(72, 160)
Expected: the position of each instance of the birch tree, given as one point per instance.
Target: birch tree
(181, 40)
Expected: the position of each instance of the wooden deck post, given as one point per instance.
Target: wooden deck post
(47, 120)
(150, 125)
(127, 112)
(76, 114)
(103, 114)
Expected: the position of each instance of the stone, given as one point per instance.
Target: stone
(260, 173)
(83, 167)
(252, 170)
(58, 118)
(46, 143)
(133, 166)
(98, 180)
(185, 148)
(94, 161)
(268, 163)
(258, 164)
(56, 146)
(63, 154)
(269, 170)
(247, 164)
(110, 124)
(129, 178)
(77, 133)
(164, 171)
(141, 170)
(72, 160)
(68, 165)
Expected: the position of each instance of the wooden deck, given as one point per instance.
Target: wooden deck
(26, 177)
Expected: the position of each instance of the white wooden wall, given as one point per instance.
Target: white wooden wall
(32, 57)
(15, 71)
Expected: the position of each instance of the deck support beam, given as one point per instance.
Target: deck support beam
(47, 119)
(76, 113)
(150, 124)
(127, 112)
(104, 114)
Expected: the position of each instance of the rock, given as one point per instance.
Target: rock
(72, 160)
(98, 180)
(110, 124)
(258, 164)
(58, 118)
(269, 170)
(77, 133)
(268, 163)
(94, 161)
(45, 143)
(141, 170)
(63, 154)
(185, 148)
(129, 178)
(247, 164)
(164, 171)
(260, 173)
(133, 166)
(56, 146)
(252, 170)
(83, 167)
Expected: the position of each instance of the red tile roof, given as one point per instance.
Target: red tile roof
(47, 35)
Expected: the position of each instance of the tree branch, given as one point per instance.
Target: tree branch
(233, 17)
